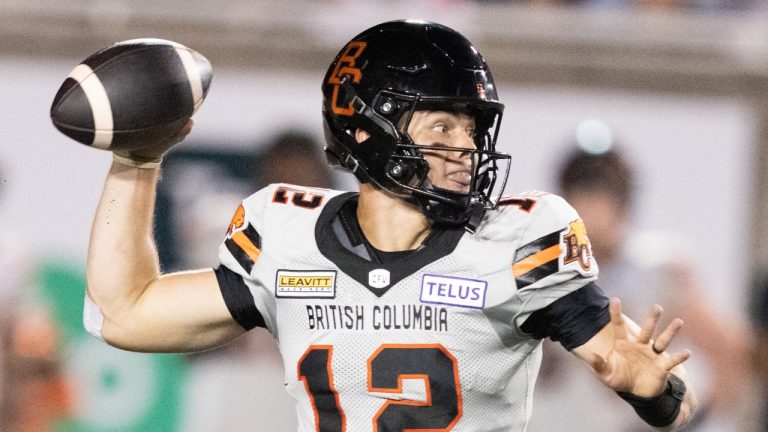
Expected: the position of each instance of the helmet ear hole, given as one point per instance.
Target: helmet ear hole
(361, 135)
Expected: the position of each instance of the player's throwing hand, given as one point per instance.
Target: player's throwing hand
(151, 155)
(638, 365)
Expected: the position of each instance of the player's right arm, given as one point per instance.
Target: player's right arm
(141, 309)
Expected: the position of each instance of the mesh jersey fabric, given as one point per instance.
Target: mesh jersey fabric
(367, 346)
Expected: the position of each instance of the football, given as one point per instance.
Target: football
(132, 93)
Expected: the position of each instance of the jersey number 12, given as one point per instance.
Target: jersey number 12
(388, 366)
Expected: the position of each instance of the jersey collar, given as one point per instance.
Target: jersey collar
(340, 239)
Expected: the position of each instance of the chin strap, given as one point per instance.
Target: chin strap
(478, 211)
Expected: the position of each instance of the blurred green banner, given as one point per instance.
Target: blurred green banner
(113, 390)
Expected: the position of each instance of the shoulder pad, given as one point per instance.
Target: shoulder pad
(267, 212)
(547, 234)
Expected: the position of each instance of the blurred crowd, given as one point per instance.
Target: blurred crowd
(642, 269)
(35, 393)
(759, 344)
(224, 392)
(687, 5)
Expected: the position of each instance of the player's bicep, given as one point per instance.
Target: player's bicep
(178, 312)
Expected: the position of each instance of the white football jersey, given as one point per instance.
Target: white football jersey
(432, 340)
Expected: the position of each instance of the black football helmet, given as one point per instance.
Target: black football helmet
(376, 83)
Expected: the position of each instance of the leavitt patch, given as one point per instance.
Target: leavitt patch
(305, 284)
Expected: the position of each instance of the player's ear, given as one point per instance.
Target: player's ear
(361, 135)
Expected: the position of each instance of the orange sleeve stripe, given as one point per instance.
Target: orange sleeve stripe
(247, 245)
(524, 266)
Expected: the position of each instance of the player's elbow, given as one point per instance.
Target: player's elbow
(99, 326)
(118, 338)
(122, 337)
(104, 324)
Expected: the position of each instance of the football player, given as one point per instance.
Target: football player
(419, 303)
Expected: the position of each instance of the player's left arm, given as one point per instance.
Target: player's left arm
(626, 358)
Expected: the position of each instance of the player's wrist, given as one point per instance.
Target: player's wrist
(661, 410)
(136, 161)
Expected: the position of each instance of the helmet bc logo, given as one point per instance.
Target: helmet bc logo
(346, 67)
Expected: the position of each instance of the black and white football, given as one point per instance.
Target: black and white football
(131, 94)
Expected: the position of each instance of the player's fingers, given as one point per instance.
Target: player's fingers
(187, 128)
(664, 339)
(675, 359)
(182, 133)
(617, 319)
(156, 150)
(649, 326)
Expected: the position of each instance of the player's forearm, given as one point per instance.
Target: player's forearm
(122, 258)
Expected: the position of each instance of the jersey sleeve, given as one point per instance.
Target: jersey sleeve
(246, 297)
(555, 275)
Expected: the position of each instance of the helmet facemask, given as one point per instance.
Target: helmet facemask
(488, 169)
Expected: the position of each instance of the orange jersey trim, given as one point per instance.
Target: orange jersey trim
(247, 245)
(524, 266)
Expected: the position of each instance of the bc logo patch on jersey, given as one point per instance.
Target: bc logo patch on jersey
(577, 247)
(565, 246)
(242, 241)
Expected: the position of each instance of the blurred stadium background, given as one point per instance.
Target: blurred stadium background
(682, 85)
